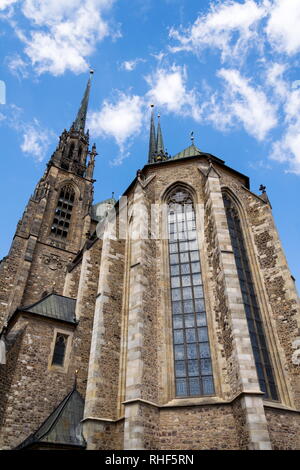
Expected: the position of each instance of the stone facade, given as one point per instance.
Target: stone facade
(120, 341)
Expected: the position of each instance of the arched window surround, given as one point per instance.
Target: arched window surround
(261, 297)
(166, 305)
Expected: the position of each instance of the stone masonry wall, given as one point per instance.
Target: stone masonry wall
(284, 429)
(85, 307)
(35, 390)
(8, 272)
(47, 273)
(13, 345)
(198, 428)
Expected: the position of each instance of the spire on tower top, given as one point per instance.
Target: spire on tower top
(152, 139)
(79, 122)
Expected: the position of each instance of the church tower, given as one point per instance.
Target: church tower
(55, 221)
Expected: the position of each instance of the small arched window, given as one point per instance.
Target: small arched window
(192, 357)
(63, 212)
(252, 310)
(59, 349)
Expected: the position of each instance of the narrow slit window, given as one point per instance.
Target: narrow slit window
(63, 212)
(256, 329)
(192, 357)
(59, 353)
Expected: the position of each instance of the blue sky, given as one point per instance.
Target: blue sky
(229, 71)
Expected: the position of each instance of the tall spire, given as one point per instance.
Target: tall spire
(159, 141)
(79, 122)
(152, 140)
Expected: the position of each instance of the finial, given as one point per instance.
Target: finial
(92, 72)
(192, 137)
(262, 188)
(113, 195)
(75, 378)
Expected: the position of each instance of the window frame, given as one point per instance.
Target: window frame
(205, 298)
(56, 219)
(259, 304)
(64, 367)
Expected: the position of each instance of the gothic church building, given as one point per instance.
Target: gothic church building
(182, 333)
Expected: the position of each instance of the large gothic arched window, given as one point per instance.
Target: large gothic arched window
(63, 212)
(256, 329)
(192, 358)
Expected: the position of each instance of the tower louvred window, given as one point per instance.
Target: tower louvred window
(192, 357)
(63, 212)
(252, 310)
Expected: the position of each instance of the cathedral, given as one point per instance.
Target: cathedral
(167, 319)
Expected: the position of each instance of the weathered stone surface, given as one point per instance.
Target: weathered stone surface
(122, 344)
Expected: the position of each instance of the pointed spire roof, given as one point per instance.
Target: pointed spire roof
(152, 139)
(62, 427)
(80, 120)
(159, 140)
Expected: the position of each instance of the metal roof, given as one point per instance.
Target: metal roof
(62, 427)
(190, 151)
(54, 306)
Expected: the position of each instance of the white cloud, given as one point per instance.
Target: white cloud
(63, 34)
(17, 66)
(36, 140)
(6, 3)
(247, 104)
(168, 89)
(283, 26)
(275, 79)
(120, 120)
(287, 149)
(230, 27)
(130, 65)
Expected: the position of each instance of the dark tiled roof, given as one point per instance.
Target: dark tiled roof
(54, 306)
(62, 427)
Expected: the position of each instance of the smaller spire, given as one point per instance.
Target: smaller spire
(159, 141)
(152, 139)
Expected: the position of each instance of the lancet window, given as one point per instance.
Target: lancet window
(256, 329)
(192, 356)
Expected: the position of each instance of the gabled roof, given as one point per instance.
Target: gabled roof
(54, 306)
(62, 427)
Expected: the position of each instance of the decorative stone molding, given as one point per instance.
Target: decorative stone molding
(53, 262)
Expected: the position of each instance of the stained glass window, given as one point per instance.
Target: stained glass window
(252, 310)
(193, 368)
(61, 222)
